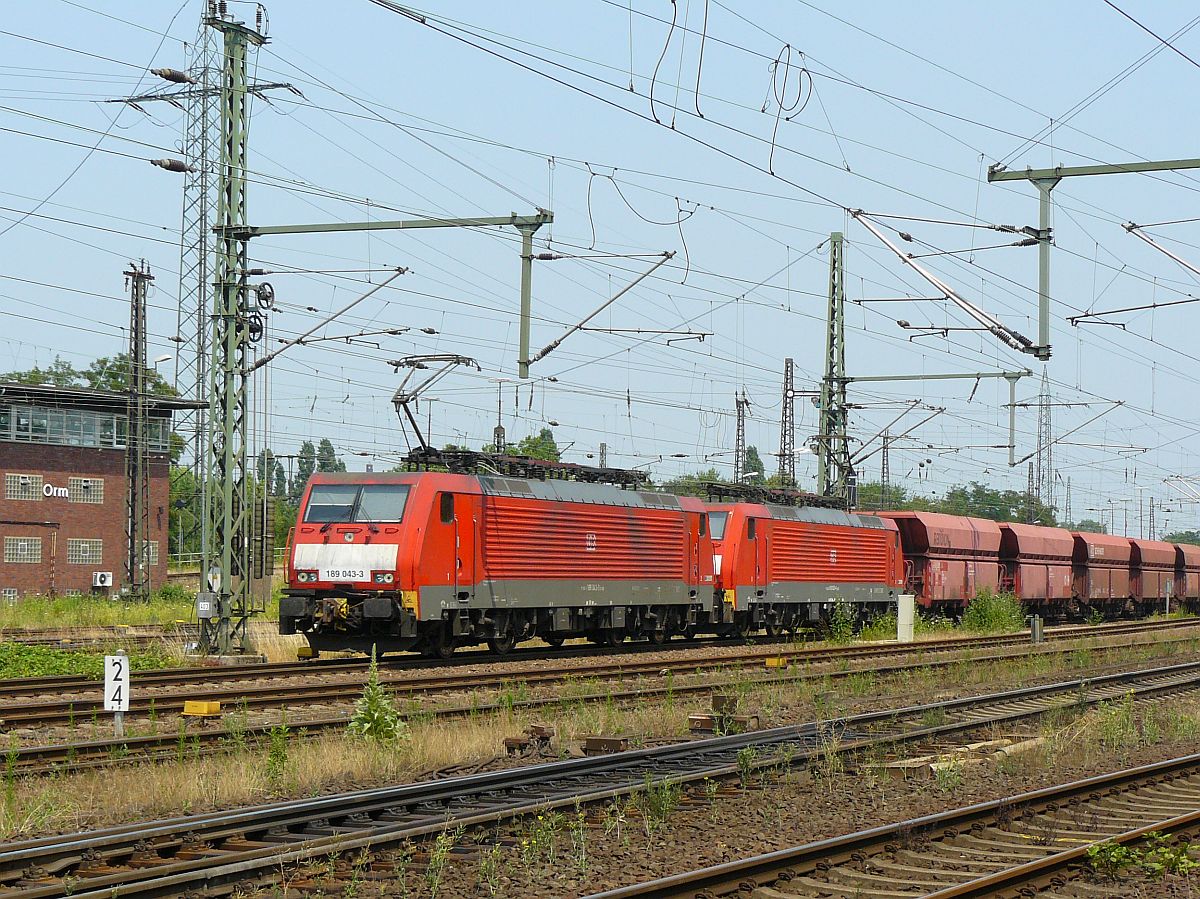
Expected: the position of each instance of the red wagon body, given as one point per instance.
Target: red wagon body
(1036, 562)
(1101, 566)
(949, 558)
(1152, 565)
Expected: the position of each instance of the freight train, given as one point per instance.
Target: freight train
(429, 561)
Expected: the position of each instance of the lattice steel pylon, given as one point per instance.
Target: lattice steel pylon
(787, 428)
(201, 155)
(137, 449)
(1043, 471)
(742, 403)
(226, 563)
(835, 473)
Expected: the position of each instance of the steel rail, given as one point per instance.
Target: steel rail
(219, 850)
(620, 660)
(62, 712)
(58, 757)
(963, 835)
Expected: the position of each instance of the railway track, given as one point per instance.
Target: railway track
(133, 636)
(59, 756)
(1017, 846)
(64, 711)
(219, 852)
(623, 660)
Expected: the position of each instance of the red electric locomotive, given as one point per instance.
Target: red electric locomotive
(431, 561)
(781, 567)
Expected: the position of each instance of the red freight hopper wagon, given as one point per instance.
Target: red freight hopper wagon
(780, 567)
(1153, 567)
(949, 558)
(1187, 573)
(1035, 563)
(429, 561)
(1102, 573)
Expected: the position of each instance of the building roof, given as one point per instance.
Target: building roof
(86, 398)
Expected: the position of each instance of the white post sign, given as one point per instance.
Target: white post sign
(116, 690)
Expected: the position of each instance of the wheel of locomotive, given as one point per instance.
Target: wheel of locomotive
(502, 644)
(658, 636)
(774, 630)
(440, 645)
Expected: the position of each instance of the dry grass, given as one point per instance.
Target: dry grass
(333, 762)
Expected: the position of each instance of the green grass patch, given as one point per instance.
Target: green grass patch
(21, 660)
(169, 605)
(993, 613)
(884, 626)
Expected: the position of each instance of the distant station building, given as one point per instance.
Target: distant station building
(63, 512)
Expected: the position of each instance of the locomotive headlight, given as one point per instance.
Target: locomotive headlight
(306, 577)
(387, 578)
(383, 577)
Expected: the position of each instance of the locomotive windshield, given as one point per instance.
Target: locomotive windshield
(716, 524)
(356, 502)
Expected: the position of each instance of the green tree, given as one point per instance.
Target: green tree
(1182, 537)
(541, 446)
(105, 373)
(1088, 526)
(980, 501)
(112, 373)
(694, 484)
(756, 472)
(60, 373)
(306, 464)
(327, 458)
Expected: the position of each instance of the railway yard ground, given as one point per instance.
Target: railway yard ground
(834, 740)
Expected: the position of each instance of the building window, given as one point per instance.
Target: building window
(10, 594)
(22, 486)
(76, 427)
(151, 552)
(86, 490)
(85, 552)
(18, 550)
(72, 593)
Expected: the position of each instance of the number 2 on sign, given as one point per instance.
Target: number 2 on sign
(116, 684)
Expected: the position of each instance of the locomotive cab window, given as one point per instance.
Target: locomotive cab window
(751, 528)
(447, 508)
(716, 521)
(703, 525)
(331, 502)
(356, 502)
(381, 502)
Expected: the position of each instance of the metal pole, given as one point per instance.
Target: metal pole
(226, 555)
(526, 297)
(1045, 235)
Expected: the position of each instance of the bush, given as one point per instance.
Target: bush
(375, 714)
(993, 613)
(841, 623)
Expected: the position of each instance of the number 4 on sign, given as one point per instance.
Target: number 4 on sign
(116, 683)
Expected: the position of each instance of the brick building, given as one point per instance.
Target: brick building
(63, 512)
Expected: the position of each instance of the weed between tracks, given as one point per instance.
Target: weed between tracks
(191, 782)
(669, 829)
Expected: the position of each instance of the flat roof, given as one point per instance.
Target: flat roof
(87, 398)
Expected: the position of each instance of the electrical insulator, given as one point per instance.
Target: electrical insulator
(173, 165)
(173, 75)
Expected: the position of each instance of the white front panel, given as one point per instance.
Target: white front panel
(344, 561)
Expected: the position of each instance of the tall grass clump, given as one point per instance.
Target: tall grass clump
(993, 613)
(841, 623)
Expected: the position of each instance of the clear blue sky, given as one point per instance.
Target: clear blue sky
(899, 109)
